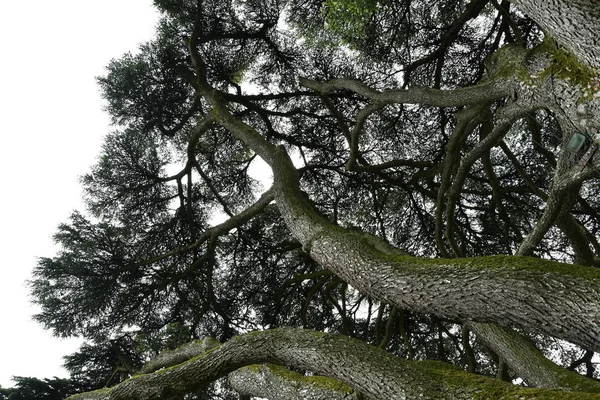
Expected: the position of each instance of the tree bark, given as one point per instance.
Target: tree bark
(542, 296)
(573, 23)
(521, 355)
(368, 369)
(181, 354)
(538, 295)
(278, 383)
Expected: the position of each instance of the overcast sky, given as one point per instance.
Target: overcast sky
(52, 125)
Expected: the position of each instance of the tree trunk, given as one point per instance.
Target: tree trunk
(573, 23)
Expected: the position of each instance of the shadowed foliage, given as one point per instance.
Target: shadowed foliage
(395, 172)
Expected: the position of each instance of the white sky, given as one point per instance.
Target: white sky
(51, 125)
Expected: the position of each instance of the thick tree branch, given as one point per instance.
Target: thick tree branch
(168, 358)
(573, 23)
(560, 200)
(539, 295)
(383, 376)
(578, 236)
(266, 380)
(482, 93)
(522, 291)
(528, 362)
(278, 383)
(515, 290)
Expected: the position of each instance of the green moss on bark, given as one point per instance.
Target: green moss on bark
(566, 66)
(500, 263)
(513, 60)
(485, 388)
(320, 382)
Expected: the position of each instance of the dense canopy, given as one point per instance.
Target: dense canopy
(397, 198)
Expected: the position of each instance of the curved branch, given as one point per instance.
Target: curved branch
(523, 291)
(235, 221)
(556, 299)
(466, 121)
(528, 362)
(561, 199)
(179, 355)
(579, 237)
(573, 23)
(481, 93)
(383, 376)
(277, 383)
(201, 127)
(212, 188)
(352, 136)
(506, 115)
(498, 199)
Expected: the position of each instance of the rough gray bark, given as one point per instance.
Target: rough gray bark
(578, 236)
(573, 23)
(537, 295)
(554, 94)
(382, 375)
(551, 298)
(521, 355)
(266, 380)
(277, 383)
(560, 202)
(482, 93)
(181, 354)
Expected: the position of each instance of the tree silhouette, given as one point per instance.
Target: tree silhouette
(432, 220)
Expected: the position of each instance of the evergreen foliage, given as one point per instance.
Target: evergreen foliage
(149, 265)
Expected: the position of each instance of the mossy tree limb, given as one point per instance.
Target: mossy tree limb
(546, 297)
(574, 24)
(274, 382)
(538, 295)
(521, 355)
(383, 376)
